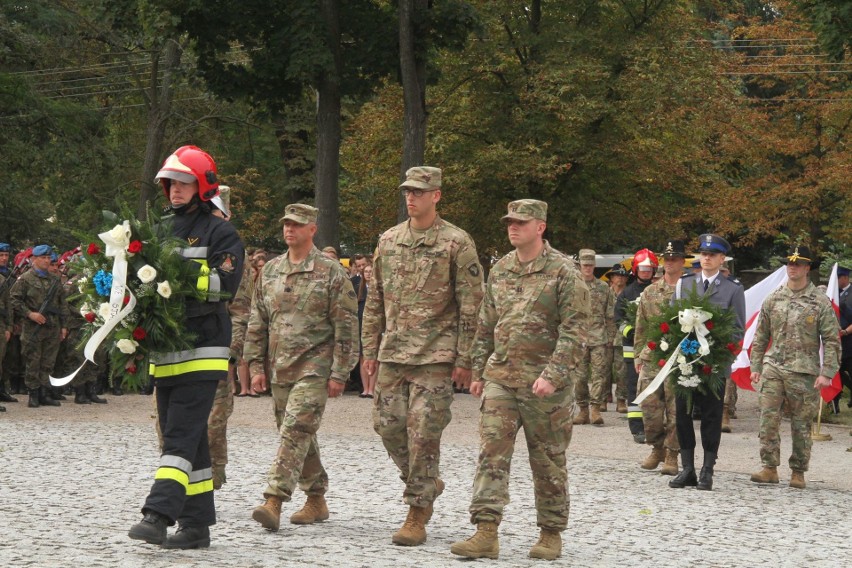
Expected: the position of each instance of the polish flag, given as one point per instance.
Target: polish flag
(833, 293)
(754, 296)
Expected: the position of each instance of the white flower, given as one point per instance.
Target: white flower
(81, 283)
(127, 346)
(120, 234)
(164, 289)
(664, 345)
(147, 273)
(685, 369)
(85, 309)
(104, 310)
(681, 359)
(704, 350)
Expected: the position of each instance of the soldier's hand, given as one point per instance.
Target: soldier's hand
(461, 377)
(755, 378)
(63, 333)
(335, 388)
(258, 383)
(370, 367)
(476, 388)
(821, 382)
(37, 317)
(542, 388)
(638, 366)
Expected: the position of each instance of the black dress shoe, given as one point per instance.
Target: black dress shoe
(189, 537)
(686, 478)
(705, 479)
(151, 529)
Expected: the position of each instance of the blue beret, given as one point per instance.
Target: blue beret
(42, 250)
(713, 243)
(841, 271)
(5, 247)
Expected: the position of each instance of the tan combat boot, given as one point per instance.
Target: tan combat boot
(439, 488)
(670, 465)
(548, 547)
(596, 417)
(621, 406)
(797, 480)
(655, 458)
(483, 544)
(583, 417)
(726, 420)
(765, 475)
(315, 509)
(269, 514)
(413, 530)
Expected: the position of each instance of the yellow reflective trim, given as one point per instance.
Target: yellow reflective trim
(203, 282)
(173, 474)
(200, 487)
(629, 355)
(160, 371)
(627, 329)
(152, 368)
(634, 414)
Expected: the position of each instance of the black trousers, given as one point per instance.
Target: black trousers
(711, 421)
(183, 485)
(634, 411)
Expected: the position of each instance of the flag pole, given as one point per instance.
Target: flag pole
(816, 435)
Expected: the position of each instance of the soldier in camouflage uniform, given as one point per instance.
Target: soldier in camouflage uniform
(44, 326)
(304, 317)
(596, 359)
(525, 357)
(419, 321)
(6, 321)
(785, 356)
(658, 410)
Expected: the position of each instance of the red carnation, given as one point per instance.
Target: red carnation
(652, 345)
(90, 317)
(664, 327)
(139, 334)
(134, 247)
(131, 369)
(661, 363)
(93, 249)
(708, 325)
(733, 348)
(125, 301)
(706, 369)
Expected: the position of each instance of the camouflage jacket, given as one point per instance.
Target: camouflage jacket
(795, 322)
(600, 328)
(30, 292)
(240, 310)
(422, 302)
(6, 317)
(530, 321)
(305, 319)
(652, 302)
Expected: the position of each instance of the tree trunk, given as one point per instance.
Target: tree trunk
(328, 135)
(413, 73)
(159, 107)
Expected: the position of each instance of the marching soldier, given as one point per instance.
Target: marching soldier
(6, 318)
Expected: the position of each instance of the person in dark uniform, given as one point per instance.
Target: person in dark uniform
(186, 381)
(845, 305)
(722, 292)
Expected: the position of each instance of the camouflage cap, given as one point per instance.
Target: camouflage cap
(300, 213)
(525, 210)
(422, 177)
(587, 257)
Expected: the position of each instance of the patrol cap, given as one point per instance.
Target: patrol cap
(42, 250)
(674, 249)
(709, 242)
(842, 271)
(799, 254)
(5, 247)
(587, 257)
(526, 210)
(422, 177)
(300, 213)
(223, 200)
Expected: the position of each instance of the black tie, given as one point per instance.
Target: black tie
(706, 284)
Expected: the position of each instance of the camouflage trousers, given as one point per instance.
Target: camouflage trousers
(658, 411)
(217, 430)
(39, 347)
(299, 407)
(547, 424)
(412, 408)
(3, 381)
(69, 359)
(797, 390)
(594, 364)
(616, 374)
(731, 394)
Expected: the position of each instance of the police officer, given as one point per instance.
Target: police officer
(186, 381)
(729, 295)
(785, 359)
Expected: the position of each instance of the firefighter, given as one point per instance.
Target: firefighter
(186, 381)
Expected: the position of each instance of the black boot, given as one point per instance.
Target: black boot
(2, 409)
(151, 529)
(80, 396)
(93, 396)
(116, 389)
(189, 537)
(44, 398)
(33, 402)
(56, 394)
(705, 478)
(686, 477)
(5, 396)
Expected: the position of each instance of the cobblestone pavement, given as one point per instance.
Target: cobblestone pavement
(71, 487)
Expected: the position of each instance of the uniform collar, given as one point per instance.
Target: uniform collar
(536, 265)
(306, 265)
(429, 238)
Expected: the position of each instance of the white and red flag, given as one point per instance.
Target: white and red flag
(833, 293)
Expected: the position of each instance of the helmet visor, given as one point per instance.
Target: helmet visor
(178, 176)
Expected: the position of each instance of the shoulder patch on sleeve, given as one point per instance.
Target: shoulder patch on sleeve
(473, 269)
(228, 263)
